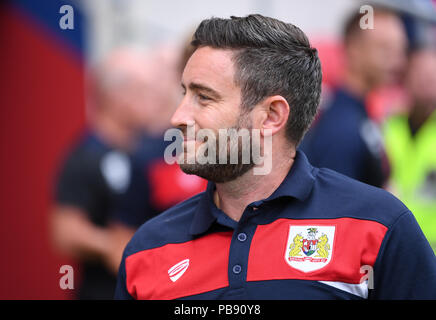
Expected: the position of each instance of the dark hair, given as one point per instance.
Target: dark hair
(271, 58)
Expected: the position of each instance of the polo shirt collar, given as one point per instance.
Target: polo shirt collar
(203, 217)
(297, 184)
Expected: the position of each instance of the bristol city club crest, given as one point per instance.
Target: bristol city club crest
(309, 248)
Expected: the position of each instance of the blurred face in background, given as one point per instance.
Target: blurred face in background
(421, 79)
(138, 90)
(379, 54)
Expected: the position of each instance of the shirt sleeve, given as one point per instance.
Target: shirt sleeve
(406, 266)
(73, 186)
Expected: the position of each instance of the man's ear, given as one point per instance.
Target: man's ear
(274, 114)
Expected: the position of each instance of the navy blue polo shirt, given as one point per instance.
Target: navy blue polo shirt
(346, 140)
(320, 235)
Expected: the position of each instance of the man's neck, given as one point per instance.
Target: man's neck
(113, 133)
(355, 84)
(234, 196)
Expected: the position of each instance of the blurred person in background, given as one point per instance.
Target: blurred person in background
(115, 179)
(159, 184)
(411, 142)
(344, 138)
(99, 169)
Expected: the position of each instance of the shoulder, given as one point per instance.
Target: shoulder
(344, 196)
(84, 153)
(76, 161)
(343, 108)
(171, 226)
(340, 125)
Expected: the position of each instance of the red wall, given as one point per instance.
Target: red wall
(41, 111)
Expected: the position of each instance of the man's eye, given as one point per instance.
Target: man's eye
(203, 97)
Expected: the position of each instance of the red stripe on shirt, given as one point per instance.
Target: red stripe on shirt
(147, 271)
(356, 243)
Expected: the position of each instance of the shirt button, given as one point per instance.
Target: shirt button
(237, 269)
(242, 237)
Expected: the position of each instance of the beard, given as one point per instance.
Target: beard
(228, 170)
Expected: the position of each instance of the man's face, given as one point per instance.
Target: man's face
(139, 87)
(380, 52)
(421, 79)
(211, 101)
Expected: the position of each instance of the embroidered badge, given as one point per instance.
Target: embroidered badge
(309, 248)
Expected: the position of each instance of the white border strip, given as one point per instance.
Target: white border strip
(358, 289)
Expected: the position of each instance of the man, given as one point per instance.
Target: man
(157, 186)
(411, 143)
(297, 232)
(344, 138)
(115, 178)
(88, 221)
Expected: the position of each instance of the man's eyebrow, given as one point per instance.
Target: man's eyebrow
(200, 87)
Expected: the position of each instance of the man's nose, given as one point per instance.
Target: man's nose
(183, 114)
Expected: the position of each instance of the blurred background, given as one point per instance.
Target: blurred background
(78, 129)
